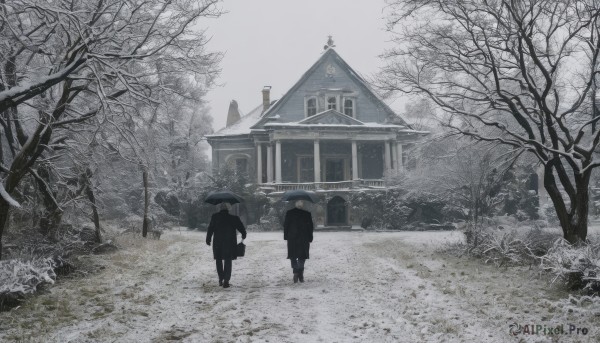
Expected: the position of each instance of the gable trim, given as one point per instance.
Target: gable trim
(330, 113)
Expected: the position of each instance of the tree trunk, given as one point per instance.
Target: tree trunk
(89, 192)
(52, 215)
(4, 207)
(146, 202)
(573, 220)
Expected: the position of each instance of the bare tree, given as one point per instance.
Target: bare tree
(65, 63)
(515, 72)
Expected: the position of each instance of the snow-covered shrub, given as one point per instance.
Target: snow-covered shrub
(502, 246)
(506, 249)
(577, 266)
(397, 209)
(19, 278)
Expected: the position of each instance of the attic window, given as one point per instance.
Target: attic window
(311, 107)
(349, 107)
(331, 103)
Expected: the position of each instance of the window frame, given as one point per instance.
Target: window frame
(336, 102)
(306, 108)
(353, 108)
(299, 168)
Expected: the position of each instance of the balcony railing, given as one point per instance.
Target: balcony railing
(311, 186)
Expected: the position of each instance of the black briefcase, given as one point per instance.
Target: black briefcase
(241, 249)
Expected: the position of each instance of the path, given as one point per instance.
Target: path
(361, 287)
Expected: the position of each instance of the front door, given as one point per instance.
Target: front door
(334, 169)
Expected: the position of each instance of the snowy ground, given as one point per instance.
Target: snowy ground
(360, 287)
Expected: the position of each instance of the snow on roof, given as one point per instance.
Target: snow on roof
(373, 125)
(242, 126)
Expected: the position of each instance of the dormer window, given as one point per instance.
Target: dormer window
(349, 107)
(331, 103)
(311, 106)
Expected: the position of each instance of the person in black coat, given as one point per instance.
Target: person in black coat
(298, 232)
(223, 226)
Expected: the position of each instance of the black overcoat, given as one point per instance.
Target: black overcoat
(223, 226)
(298, 231)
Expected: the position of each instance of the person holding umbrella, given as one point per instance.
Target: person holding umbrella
(298, 231)
(223, 227)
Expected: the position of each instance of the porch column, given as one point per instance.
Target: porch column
(386, 158)
(317, 160)
(259, 163)
(399, 156)
(278, 161)
(394, 157)
(354, 161)
(269, 163)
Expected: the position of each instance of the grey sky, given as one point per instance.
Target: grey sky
(273, 42)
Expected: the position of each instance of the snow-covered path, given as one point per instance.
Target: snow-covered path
(360, 287)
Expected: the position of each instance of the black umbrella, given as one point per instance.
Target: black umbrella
(218, 197)
(299, 194)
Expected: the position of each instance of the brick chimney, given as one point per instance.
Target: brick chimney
(233, 115)
(266, 92)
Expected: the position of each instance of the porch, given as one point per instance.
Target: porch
(326, 164)
(314, 186)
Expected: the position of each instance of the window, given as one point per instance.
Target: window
(331, 103)
(241, 166)
(306, 169)
(349, 107)
(311, 107)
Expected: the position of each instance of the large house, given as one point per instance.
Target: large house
(330, 133)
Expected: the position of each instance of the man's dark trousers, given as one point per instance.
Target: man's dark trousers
(224, 274)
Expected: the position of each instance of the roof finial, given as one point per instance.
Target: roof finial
(330, 43)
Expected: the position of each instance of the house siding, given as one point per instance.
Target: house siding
(318, 82)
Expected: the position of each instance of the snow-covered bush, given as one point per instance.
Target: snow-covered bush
(577, 266)
(20, 278)
(501, 246)
(397, 209)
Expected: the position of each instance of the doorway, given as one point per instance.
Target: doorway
(336, 212)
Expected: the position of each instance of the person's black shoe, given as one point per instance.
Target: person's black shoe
(226, 284)
(301, 276)
(296, 277)
(220, 282)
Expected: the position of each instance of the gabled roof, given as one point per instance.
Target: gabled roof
(353, 75)
(331, 117)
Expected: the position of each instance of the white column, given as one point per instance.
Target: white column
(354, 161)
(269, 163)
(278, 161)
(317, 159)
(399, 156)
(394, 157)
(386, 157)
(259, 163)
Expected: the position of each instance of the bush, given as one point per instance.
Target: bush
(397, 209)
(577, 266)
(20, 278)
(504, 247)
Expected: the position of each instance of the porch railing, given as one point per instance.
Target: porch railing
(311, 186)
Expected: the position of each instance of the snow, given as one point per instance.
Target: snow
(360, 287)
(242, 126)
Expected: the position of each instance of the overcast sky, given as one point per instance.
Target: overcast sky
(273, 42)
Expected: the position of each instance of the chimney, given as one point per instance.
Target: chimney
(233, 115)
(266, 98)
